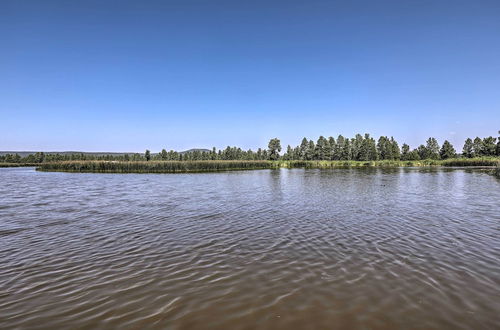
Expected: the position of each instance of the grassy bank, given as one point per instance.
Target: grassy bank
(390, 163)
(155, 166)
(227, 165)
(18, 164)
(471, 162)
(353, 163)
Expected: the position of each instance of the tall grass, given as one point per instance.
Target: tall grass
(353, 163)
(389, 163)
(227, 165)
(18, 164)
(154, 166)
(471, 162)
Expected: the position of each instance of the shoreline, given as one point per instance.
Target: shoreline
(231, 165)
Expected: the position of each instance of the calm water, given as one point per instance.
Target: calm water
(283, 249)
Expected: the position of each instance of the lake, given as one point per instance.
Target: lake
(269, 249)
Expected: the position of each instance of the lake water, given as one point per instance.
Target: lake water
(269, 249)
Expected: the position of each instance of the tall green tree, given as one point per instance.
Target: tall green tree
(369, 148)
(384, 152)
(338, 152)
(422, 152)
(147, 155)
(274, 148)
(310, 150)
(489, 146)
(357, 151)
(332, 147)
(468, 149)
(447, 150)
(388, 148)
(346, 150)
(321, 149)
(163, 154)
(289, 153)
(396, 152)
(304, 146)
(477, 147)
(498, 144)
(432, 148)
(405, 151)
(413, 155)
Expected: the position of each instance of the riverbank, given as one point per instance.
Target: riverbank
(391, 163)
(155, 166)
(19, 164)
(231, 165)
(496, 172)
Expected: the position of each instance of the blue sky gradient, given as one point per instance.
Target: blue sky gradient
(131, 75)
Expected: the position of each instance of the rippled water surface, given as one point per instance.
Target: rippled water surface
(270, 249)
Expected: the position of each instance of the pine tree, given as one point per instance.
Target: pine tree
(289, 153)
(489, 146)
(320, 151)
(274, 149)
(357, 152)
(498, 145)
(310, 150)
(405, 154)
(346, 150)
(382, 149)
(468, 150)
(432, 148)
(333, 147)
(447, 150)
(338, 152)
(396, 153)
(304, 146)
(369, 148)
(422, 152)
(477, 147)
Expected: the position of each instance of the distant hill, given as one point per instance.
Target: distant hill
(193, 150)
(97, 153)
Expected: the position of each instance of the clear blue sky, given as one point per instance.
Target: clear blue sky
(130, 75)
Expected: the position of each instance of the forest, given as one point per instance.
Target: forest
(359, 148)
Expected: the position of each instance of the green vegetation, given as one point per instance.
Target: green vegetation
(228, 165)
(18, 164)
(496, 172)
(458, 162)
(353, 163)
(485, 161)
(361, 150)
(154, 166)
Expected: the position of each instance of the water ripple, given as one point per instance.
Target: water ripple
(301, 249)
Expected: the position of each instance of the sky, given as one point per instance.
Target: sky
(130, 75)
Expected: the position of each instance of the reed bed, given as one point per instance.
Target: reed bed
(18, 164)
(229, 165)
(352, 163)
(390, 163)
(471, 162)
(154, 166)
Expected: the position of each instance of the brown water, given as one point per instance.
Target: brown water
(269, 249)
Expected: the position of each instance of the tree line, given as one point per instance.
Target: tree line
(358, 148)
(366, 148)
